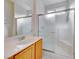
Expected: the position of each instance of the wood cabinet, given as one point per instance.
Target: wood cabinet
(28, 53)
(39, 49)
(32, 52)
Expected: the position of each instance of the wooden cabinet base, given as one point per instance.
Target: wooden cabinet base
(32, 52)
(39, 49)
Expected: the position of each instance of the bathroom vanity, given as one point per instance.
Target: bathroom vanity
(28, 48)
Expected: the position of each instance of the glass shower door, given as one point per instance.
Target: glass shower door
(65, 33)
(57, 31)
(47, 30)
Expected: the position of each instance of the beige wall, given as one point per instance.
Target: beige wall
(9, 15)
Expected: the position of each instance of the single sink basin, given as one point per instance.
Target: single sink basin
(23, 42)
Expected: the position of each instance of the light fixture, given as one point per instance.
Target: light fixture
(50, 15)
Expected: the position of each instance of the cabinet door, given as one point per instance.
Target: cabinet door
(28, 53)
(39, 49)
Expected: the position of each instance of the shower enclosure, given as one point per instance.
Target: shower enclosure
(57, 31)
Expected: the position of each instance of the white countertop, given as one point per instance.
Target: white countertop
(13, 46)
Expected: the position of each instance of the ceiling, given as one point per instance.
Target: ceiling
(22, 6)
(48, 2)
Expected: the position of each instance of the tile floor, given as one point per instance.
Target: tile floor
(49, 55)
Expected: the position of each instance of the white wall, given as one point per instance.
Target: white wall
(61, 5)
